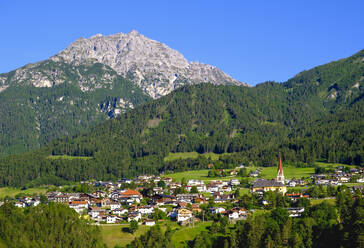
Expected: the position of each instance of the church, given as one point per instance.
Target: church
(263, 185)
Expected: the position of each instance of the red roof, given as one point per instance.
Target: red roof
(79, 202)
(131, 192)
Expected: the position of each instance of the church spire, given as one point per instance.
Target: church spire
(280, 175)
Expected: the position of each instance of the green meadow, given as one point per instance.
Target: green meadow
(185, 155)
(196, 174)
(7, 191)
(115, 235)
(67, 157)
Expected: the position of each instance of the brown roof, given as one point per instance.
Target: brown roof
(79, 202)
(130, 192)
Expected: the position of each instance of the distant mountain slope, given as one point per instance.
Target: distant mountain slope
(152, 65)
(295, 118)
(49, 99)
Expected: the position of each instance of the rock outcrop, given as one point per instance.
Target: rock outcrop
(152, 65)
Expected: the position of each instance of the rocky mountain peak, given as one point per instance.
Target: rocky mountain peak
(152, 65)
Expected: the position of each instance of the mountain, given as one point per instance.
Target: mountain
(152, 65)
(90, 81)
(299, 118)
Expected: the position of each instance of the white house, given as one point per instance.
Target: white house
(149, 222)
(234, 182)
(114, 205)
(95, 212)
(111, 219)
(194, 182)
(19, 204)
(292, 183)
(295, 212)
(79, 206)
(237, 213)
(217, 210)
(183, 214)
(145, 209)
(134, 216)
(119, 211)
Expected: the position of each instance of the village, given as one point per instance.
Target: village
(148, 199)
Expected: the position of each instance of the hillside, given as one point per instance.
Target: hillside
(48, 100)
(299, 118)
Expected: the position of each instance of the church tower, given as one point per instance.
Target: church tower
(280, 175)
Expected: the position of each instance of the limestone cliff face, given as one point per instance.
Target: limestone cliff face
(153, 66)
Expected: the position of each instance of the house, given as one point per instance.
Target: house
(145, 209)
(158, 190)
(217, 210)
(99, 194)
(294, 196)
(134, 216)
(114, 205)
(119, 211)
(167, 180)
(174, 185)
(234, 182)
(161, 199)
(186, 197)
(19, 204)
(237, 214)
(344, 179)
(149, 222)
(111, 219)
(295, 212)
(263, 185)
(62, 198)
(78, 206)
(195, 208)
(199, 200)
(95, 212)
(194, 182)
(292, 183)
(200, 187)
(130, 196)
(183, 214)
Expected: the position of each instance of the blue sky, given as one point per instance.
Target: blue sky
(253, 41)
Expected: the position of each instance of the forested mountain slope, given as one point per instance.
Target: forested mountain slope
(299, 118)
(48, 100)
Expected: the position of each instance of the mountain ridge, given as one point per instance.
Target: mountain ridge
(163, 71)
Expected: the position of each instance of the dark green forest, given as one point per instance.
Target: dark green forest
(31, 116)
(317, 115)
(52, 225)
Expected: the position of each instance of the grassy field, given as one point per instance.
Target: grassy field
(185, 155)
(318, 201)
(333, 165)
(244, 191)
(196, 174)
(67, 157)
(188, 233)
(289, 172)
(113, 234)
(6, 191)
